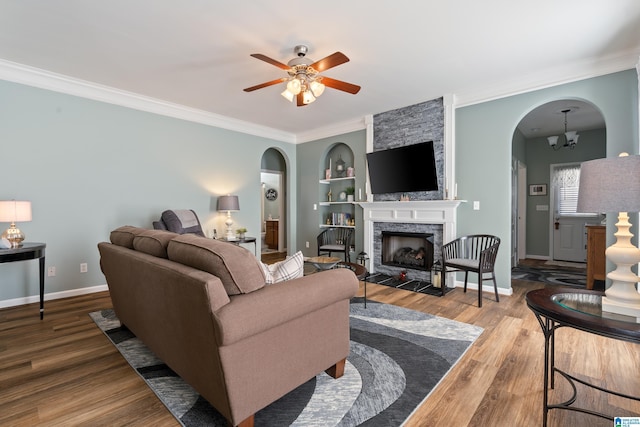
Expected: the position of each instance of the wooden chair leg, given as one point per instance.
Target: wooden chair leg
(479, 289)
(466, 274)
(247, 423)
(495, 286)
(337, 370)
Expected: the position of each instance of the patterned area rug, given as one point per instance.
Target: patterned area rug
(397, 358)
(551, 275)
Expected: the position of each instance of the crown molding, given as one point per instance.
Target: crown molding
(31, 76)
(554, 76)
(43, 79)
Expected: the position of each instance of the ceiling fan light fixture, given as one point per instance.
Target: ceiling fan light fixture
(317, 88)
(307, 97)
(294, 86)
(288, 95)
(304, 82)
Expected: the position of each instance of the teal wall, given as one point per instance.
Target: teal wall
(311, 165)
(484, 134)
(519, 147)
(89, 167)
(539, 158)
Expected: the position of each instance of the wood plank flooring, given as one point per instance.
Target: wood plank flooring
(64, 371)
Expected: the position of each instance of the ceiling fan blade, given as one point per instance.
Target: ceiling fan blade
(329, 62)
(340, 85)
(271, 83)
(300, 100)
(270, 61)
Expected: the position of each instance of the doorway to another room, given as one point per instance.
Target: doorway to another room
(547, 230)
(273, 204)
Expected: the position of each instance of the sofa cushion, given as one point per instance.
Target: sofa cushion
(123, 236)
(153, 242)
(237, 268)
(291, 267)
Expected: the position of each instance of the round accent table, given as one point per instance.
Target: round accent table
(579, 309)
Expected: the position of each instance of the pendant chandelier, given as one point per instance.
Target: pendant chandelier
(571, 137)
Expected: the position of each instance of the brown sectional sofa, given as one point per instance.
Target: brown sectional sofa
(201, 305)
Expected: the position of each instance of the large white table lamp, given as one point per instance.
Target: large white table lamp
(613, 185)
(229, 203)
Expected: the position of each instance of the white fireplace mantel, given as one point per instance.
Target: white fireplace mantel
(410, 212)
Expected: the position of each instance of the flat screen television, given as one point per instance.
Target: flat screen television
(403, 169)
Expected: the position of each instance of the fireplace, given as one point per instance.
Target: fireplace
(437, 217)
(407, 250)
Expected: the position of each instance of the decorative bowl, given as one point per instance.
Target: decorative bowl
(323, 262)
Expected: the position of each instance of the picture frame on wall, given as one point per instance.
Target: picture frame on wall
(538, 189)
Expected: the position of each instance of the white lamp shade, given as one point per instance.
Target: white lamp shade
(287, 95)
(610, 185)
(553, 140)
(571, 136)
(228, 203)
(307, 97)
(294, 86)
(317, 88)
(15, 211)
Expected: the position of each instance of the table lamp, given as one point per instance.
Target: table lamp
(229, 203)
(613, 185)
(14, 211)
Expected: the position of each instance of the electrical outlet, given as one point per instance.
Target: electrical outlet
(315, 208)
(307, 244)
(51, 271)
(83, 267)
(476, 205)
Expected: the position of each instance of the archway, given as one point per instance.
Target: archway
(273, 205)
(536, 220)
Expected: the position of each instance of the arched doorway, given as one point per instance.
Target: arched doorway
(540, 230)
(273, 205)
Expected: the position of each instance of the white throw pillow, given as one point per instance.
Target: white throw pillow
(291, 268)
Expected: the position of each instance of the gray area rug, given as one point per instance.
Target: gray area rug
(397, 358)
(551, 275)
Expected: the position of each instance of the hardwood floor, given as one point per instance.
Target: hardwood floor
(64, 371)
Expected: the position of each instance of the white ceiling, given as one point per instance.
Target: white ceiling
(195, 53)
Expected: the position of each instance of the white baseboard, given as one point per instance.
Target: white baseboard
(51, 296)
(541, 257)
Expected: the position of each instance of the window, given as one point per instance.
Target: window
(566, 179)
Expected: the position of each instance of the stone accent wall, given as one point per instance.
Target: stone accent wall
(379, 227)
(411, 125)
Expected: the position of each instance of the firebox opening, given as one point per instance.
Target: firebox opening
(407, 250)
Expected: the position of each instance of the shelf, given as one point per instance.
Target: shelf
(336, 203)
(329, 181)
(336, 226)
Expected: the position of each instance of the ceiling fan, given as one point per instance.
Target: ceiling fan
(304, 82)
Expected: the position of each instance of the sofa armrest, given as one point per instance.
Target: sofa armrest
(276, 304)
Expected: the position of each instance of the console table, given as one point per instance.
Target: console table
(26, 252)
(578, 309)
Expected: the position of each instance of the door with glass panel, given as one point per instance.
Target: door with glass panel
(568, 228)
